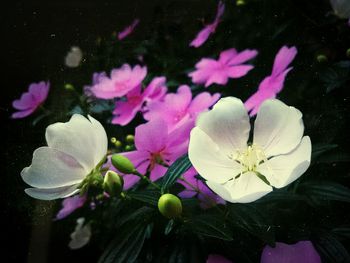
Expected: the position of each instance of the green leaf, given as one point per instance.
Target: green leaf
(126, 246)
(148, 196)
(343, 231)
(178, 168)
(325, 191)
(319, 149)
(280, 195)
(211, 226)
(331, 250)
(251, 219)
(142, 212)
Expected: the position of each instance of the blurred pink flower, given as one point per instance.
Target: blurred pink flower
(135, 101)
(195, 187)
(70, 204)
(121, 81)
(303, 251)
(31, 100)
(217, 259)
(179, 107)
(204, 34)
(273, 84)
(97, 77)
(229, 65)
(156, 147)
(128, 30)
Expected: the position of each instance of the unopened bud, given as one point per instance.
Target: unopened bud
(113, 183)
(129, 148)
(321, 58)
(130, 138)
(116, 142)
(69, 86)
(170, 206)
(122, 164)
(348, 53)
(240, 2)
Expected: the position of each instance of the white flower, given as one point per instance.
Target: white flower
(341, 8)
(233, 169)
(81, 235)
(74, 150)
(74, 57)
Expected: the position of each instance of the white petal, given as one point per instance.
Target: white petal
(208, 159)
(284, 169)
(227, 124)
(81, 235)
(51, 168)
(278, 128)
(245, 189)
(84, 140)
(52, 193)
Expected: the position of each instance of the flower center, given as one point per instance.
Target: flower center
(250, 158)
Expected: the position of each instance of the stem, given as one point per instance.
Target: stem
(146, 179)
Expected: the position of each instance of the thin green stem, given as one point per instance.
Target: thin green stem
(145, 178)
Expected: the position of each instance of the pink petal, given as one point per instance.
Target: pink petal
(227, 55)
(157, 172)
(22, 114)
(152, 136)
(70, 204)
(128, 30)
(187, 193)
(27, 101)
(303, 251)
(39, 91)
(156, 89)
(219, 77)
(243, 56)
(202, 36)
(254, 102)
(283, 58)
(238, 71)
(202, 102)
(125, 111)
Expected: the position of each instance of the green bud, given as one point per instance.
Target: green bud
(116, 142)
(129, 148)
(348, 53)
(130, 138)
(113, 183)
(69, 86)
(170, 206)
(123, 164)
(240, 2)
(321, 58)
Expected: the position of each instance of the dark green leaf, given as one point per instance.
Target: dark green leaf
(126, 246)
(343, 231)
(211, 226)
(178, 168)
(319, 149)
(251, 219)
(147, 196)
(325, 191)
(280, 195)
(142, 212)
(331, 250)
(169, 227)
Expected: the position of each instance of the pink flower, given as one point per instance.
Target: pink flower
(229, 65)
(303, 251)
(97, 77)
(70, 204)
(273, 84)
(31, 100)
(125, 111)
(128, 30)
(217, 259)
(204, 34)
(195, 187)
(156, 147)
(178, 107)
(122, 81)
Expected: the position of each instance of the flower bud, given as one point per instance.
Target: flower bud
(321, 58)
(123, 164)
(69, 87)
(130, 138)
(240, 2)
(348, 53)
(170, 206)
(113, 183)
(116, 142)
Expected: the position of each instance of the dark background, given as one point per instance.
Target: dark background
(36, 36)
